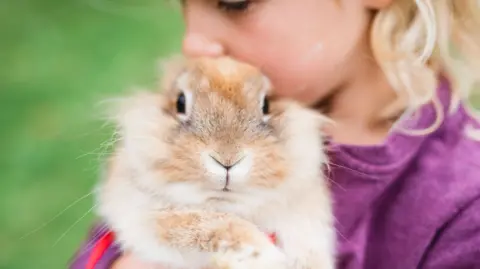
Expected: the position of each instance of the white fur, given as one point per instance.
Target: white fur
(238, 173)
(270, 257)
(218, 173)
(298, 211)
(183, 82)
(131, 214)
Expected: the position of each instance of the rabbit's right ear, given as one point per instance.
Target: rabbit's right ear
(169, 69)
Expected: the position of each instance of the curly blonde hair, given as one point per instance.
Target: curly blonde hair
(416, 40)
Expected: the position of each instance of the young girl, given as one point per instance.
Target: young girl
(405, 150)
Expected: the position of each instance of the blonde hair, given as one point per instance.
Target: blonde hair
(414, 41)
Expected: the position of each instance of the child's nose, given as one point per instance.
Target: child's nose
(198, 45)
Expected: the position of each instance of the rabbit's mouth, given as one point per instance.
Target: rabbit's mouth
(227, 181)
(226, 189)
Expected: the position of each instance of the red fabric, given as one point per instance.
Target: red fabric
(100, 247)
(273, 238)
(103, 243)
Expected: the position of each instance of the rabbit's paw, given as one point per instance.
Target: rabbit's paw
(250, 257)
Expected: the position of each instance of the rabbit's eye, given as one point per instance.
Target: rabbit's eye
(181, 107)
(184, 105)
(266, 106)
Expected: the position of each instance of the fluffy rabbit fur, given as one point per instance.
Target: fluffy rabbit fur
(209, 164)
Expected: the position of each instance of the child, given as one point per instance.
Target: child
(405, 160)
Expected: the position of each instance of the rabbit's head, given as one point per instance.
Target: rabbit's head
(215, 136)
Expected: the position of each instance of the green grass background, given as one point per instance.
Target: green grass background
(58, 59)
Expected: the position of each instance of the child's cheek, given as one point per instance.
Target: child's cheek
(305, 77)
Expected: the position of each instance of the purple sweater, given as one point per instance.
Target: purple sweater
(412, 202)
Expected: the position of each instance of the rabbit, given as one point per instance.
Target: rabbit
(210, 164)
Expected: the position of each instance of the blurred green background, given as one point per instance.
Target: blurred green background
(58, 59)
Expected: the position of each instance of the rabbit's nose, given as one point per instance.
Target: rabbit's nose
(228, 166)
(230, 172)
(222, 164)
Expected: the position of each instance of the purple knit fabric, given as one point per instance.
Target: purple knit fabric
(411, 202)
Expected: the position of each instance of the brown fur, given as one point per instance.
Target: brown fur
(236, 95)
(163, 195)
(188, 229)
(230, 86)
